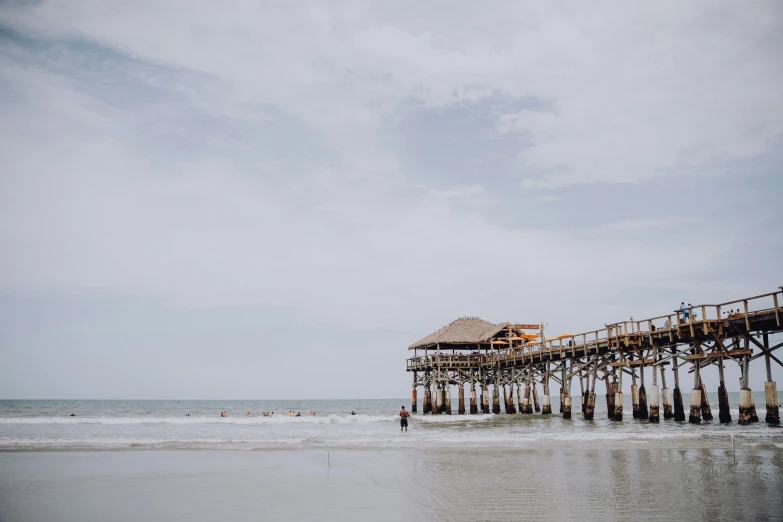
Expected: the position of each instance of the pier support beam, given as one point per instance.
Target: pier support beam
(609, 399)
(461, 399)
(567, 391)
(770, 389)
(590, 407)
(512, 407)
(536, 406)
(655, 415)
(528, 407)
(771, 395)
(440, 401)
(695, 415)
(706, 411)
(643, 412)
(746, 400)
(618, 396)
(546, 406)
(724, 413)
(519, 397)
(427, 398)
(447, 399)
(679, 410)
(666, 397)
(634, 394)
(584, 393)
(473, 403)
(496, 400)
(747, 411)
(414, 406)
(484, 399)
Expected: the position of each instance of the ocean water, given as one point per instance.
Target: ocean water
(128, 425)
(146, 460)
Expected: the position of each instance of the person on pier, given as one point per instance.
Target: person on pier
(685, 311)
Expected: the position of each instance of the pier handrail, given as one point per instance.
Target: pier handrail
(627, 329)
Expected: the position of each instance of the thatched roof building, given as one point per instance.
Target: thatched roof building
(464, 334)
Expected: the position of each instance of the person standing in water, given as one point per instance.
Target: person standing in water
(404, 419)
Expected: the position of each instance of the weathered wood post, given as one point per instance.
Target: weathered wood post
(563, 377)
(496, 398)
(583, 392)
(527, 404)
(473, 403)
(519, 397)
(536, 405)
(618, 396)
(461, 398)
(643, 411)
(484, 398)
(666, 398)
(679, 410)
(610, 391)
(654, 394)
(770, 389)
(413, 394)
(590, 408)
(567, 391)
(437, 408)
(724, 413)
(447, 398)
(746, 398)
(634, 393)
(546, 407)
(427, 393)
(512, 408)
(706, 411)
(746, 374)
(695, 415)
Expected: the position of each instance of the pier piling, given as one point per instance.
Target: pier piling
(654, 395)
(770, 388)
(706, 411)
(447, 399)
(473, 403)
(679, 409)
(427, 399)
(643, 411)
(413, 400)
(546, 406)
(495, 400)
(610, 393)
(666, 398)
(461, 399)
(618, 397)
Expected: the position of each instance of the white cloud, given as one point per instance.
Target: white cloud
(95, 193)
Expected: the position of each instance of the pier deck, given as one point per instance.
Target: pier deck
(477, 353)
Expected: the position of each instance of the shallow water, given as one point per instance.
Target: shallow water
(394, 484)
(46, 425)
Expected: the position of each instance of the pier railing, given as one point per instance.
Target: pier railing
(704, 318)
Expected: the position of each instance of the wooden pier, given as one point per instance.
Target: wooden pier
(510, 360)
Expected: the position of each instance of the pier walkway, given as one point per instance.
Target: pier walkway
(475, 353)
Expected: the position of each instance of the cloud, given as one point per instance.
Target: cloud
(369, 168)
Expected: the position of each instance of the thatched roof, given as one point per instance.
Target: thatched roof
(465, 330)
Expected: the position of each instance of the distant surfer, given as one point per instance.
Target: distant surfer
(248, 414)
(73, 415)
(223, 414)
(353, 412)
(404, 419)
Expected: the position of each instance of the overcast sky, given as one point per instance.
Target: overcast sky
(273, 200)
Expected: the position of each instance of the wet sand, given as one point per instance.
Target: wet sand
(394, 484)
